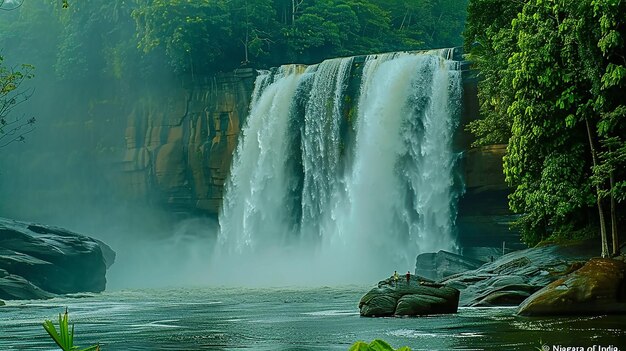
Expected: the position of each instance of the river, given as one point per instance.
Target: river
(323, 318)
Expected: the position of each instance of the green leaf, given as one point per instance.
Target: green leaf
(92, 348)
(380, 345)
(49, 327)
(360, 346)
(64, 338)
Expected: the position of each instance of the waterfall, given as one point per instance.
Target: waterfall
(321, 141)
(346, 170)
(253, 209)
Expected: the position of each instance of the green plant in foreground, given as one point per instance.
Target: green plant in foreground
(65, 337)
(376, 345)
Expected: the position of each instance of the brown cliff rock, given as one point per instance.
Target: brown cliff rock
(179, 148)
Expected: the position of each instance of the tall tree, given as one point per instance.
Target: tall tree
(563, 117)
(192, 34)
(254, 26)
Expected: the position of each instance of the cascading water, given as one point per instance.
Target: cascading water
(321, 142)
(253, 210)
(373, 181)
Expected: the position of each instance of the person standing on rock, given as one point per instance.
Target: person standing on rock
(395, 278)
(408, 277)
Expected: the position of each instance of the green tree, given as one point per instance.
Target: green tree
(322, 30)
(552, 87)
(193, 34)
(254, 27)
(14, 128)
(490, 41)
(609, 27)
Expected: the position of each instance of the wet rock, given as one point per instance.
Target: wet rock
(443, 264)
(512, 278)
(15, 287)
(38, 261)
(511, 295)
(599, 287)
(417, 297)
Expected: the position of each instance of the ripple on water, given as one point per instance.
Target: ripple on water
(332, 313)
(412, 333)
(157, 324)
(415, 333)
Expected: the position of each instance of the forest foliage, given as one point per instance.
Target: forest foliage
(553, 86)
(123, 38)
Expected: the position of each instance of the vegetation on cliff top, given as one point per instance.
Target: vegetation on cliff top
(102, 50)
(123, 39)
(553, 81)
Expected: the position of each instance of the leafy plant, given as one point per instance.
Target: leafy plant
(376, 345)
(65, 337)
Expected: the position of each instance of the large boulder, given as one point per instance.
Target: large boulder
(38, 261)
(512, 278)
(599, 287)
(417, 297)
(443, 264)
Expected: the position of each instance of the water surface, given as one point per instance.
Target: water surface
(284, 319)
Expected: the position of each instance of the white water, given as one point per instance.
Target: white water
(365, 211)
(321, 142)
(253, 210)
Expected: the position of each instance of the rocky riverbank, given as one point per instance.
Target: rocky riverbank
(551, 279)
(599, 287)
(39, 262)
(512, 278)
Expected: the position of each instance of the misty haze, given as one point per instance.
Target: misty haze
(268, 174)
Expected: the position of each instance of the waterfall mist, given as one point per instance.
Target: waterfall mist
(309, 204)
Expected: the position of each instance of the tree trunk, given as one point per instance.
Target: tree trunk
(245, 45)
(404, 19)
(295, 7)
(594, 158)
(613, 218)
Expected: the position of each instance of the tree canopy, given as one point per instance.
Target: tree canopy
(120, 38)
(553, 87)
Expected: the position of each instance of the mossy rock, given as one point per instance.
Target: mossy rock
(598, 288)
(414, 298)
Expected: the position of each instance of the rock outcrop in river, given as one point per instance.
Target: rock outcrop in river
(599, 287)
(399, 298)
(37, 261)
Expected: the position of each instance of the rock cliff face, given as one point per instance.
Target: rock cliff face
(179, 147)
(484, 218)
